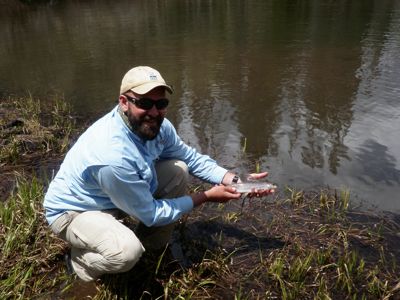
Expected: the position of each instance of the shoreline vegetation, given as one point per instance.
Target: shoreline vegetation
(296, 245)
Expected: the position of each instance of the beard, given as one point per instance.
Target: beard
(146, 127)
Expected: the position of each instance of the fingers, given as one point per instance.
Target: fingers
(231, 193)
(260, 193)
(221, 193)
(257, 175)
(230, 189)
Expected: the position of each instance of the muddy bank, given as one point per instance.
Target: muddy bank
(34, 138)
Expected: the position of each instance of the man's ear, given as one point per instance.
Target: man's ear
(123, 103)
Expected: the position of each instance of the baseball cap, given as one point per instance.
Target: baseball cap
(143, 79)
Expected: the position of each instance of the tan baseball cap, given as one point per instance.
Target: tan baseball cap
(143, 79)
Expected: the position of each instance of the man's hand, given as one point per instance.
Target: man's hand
(227, 180)
(256, 176)
(219, 193)
(224, 192)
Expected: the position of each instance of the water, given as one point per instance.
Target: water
(309, 90)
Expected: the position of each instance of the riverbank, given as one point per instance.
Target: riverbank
(296, 245)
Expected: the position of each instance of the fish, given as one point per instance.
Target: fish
(248, 187)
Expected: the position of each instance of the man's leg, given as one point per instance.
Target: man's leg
(173, 176)
(100, 244)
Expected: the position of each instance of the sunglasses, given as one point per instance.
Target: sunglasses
(147, 103)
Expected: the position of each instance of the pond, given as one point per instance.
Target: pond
(308, 90)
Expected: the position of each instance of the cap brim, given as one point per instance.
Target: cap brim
(147, 87)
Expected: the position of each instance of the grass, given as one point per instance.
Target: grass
(30, 254)
(316, 248)
(295, 245)
(327, 254)
(30, 136)
(31, 133)
(244, 257)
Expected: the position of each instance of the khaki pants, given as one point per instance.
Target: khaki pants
(101, 244)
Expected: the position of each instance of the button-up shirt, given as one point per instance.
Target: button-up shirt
(111, 167)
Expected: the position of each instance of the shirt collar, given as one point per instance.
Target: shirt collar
(125, 118)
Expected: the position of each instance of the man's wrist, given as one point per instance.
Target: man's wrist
(199, 198)
(228, 178)
(235, 179)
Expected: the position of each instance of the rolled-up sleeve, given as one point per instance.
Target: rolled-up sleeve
(131, 194)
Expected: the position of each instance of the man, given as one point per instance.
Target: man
(132, 161)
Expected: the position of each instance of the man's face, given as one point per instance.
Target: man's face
(146, 123)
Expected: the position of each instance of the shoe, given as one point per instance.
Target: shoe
(68, 263)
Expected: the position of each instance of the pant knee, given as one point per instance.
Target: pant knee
(125, 256)
(132, 254)
(182, 171)
(173, 176)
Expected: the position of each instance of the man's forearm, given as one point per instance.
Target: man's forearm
(199, 198)
(227, 179)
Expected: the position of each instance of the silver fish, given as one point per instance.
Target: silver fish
(248, 187)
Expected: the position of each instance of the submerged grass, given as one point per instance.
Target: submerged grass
(296, 245)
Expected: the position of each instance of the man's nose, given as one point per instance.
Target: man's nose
(153, 111)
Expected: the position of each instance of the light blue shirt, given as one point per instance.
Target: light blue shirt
(111, 167)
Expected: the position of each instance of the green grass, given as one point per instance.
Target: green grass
(29, 252)
(321, 256)
(317, 258)
(40, 133)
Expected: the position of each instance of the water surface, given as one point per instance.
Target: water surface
(310, 88)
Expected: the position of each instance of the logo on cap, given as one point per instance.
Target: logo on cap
(153, 77)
